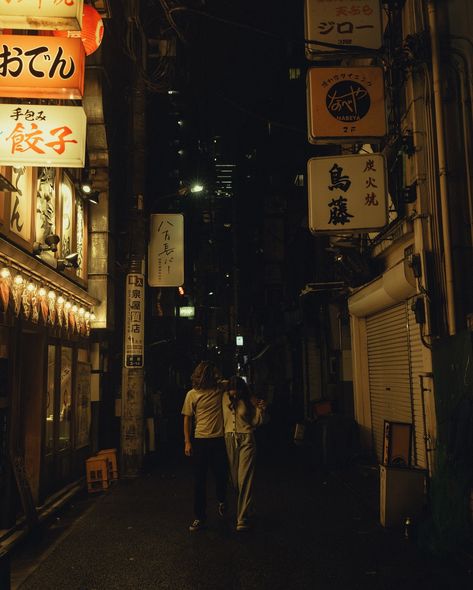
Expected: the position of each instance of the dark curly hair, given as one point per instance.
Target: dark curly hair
(205, 376)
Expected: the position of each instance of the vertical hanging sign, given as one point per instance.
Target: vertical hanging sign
(166, 250)
(347, 193)
(134, 321)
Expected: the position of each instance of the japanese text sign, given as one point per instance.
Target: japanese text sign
(342, 26)
(41, 67)
(41, 14)
(134, 320)
(345, 104)
(42, 135)
(347, 193)
(166, 250)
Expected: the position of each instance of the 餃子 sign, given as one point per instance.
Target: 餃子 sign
(42, 135)
(41, 14)
(345, 104)
(347, 194)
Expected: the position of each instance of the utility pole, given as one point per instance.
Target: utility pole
(133, 370)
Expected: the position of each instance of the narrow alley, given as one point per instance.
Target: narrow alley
(314, 531)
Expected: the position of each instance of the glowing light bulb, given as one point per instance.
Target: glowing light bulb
(74, 309)
(68, 305)
(42, 292)
(30, 287)
(81, 311)
(5, 273)
(18, 280)
(60, 300)
(52, 295)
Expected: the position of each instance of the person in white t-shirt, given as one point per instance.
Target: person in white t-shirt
(204, 403)
(242, 413)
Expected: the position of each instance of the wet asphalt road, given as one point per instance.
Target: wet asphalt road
(314, 532)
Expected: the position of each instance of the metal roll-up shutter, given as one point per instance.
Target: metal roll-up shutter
(389, 370)
(416, 367)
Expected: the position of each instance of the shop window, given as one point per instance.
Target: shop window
(49, 430)
(67, 216)
(21, 202)
(83, 411)
(65, 401)
(80, 238)
(45, 220)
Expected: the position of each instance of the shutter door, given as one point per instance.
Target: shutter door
(416, 367)
(389, 370)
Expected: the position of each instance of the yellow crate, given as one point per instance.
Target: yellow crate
(111, 455)
(98, 477)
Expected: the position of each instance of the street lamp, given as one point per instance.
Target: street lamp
(197, 188)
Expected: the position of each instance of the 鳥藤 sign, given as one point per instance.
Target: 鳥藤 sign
(42, 135)
(347, 193)
(166, 250)
(41, 67)
(342, 26)
(41, 14)
(345, 104)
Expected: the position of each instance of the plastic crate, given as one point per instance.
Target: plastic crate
(98, 473)
(111, 455)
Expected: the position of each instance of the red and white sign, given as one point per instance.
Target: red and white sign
(347, 194)
(166, 250)
(41, 14)
(42, 135)
(41, 67)
(346, 26)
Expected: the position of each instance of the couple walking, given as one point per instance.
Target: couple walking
(224, 420)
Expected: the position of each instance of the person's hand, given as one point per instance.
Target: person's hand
(188, 449)
(261, 404)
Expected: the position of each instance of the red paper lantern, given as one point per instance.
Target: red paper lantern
(92, 30)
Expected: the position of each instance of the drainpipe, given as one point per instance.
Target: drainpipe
(442, 165)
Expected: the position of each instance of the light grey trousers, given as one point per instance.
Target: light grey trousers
(241, 450)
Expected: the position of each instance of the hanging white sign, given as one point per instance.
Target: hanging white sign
(134, 320)
(350, 26)
(347, 194)
(42, 135)
(166, 250)
(41, 14)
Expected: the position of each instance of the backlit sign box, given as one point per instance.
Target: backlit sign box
(345, 104)
(347, 194)
(166, 250)
(41, 67)
(42, 135)
(50, 15)
(349, 27)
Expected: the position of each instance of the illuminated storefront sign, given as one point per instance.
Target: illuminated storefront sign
(42, 135)
(347, 26)
(345, 104)
(347, 193)
(134, 320)
(41, 14)
(166, 250)
(41, 67)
